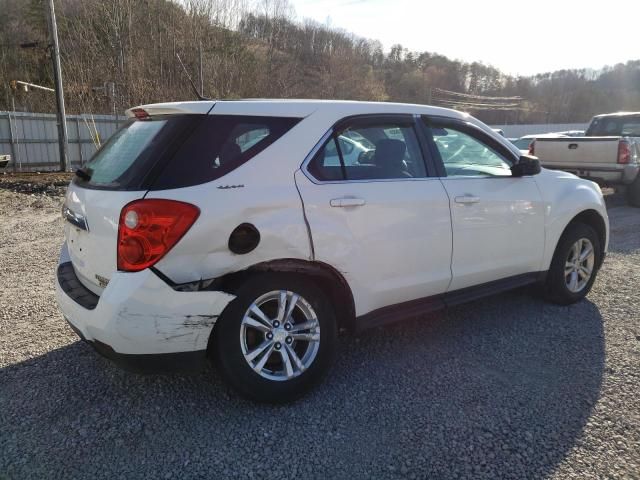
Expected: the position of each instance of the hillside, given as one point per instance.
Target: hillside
(118, 53)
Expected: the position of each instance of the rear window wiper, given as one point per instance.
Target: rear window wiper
(83, 174)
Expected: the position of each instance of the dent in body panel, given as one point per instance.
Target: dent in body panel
(274, 209)
(187, 330)
(149, 315)
(405, 214)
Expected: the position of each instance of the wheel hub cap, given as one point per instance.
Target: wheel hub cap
(279, 335)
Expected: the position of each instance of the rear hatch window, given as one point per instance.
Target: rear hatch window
(628, 126)
(129, 158)
(165, 152)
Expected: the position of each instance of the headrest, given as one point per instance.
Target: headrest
(389, 150)
(229, 152)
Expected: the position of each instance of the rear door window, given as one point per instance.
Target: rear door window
(370, 150)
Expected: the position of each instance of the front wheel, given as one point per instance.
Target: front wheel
(574, 266)
(276, 339)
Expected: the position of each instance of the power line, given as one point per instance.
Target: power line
(467, 101)
(480, 106)
(477, 97)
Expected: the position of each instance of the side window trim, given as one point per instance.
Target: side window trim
(336, 138)
(373, 119)
(469, 129)
(410, 120)
(430, 153)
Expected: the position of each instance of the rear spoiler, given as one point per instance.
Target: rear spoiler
(171, 108)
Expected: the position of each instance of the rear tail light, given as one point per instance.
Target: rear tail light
(624, 152)
(148, 229)
(532, 148)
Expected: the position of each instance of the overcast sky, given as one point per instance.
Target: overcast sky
(517, 37)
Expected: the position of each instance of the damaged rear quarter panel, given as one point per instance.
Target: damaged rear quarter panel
(268, 201)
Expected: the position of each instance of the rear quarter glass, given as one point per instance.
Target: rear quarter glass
(175, 151)
(219, 145)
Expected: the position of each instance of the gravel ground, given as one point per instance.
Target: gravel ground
(507, 387)
(48, 183)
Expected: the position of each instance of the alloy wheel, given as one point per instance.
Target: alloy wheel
(578, 267)
(280, 335)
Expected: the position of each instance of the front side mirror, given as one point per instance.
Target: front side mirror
(527, 165)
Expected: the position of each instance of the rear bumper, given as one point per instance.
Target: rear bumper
(614, 175)
(148, 363)
(139, 321)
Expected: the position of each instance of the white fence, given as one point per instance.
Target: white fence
(517, 131)
(32, 139)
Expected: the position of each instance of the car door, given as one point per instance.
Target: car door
(497, 219)
(382, 222)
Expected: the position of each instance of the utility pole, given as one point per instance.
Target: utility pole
(57, 74)
(201, 75)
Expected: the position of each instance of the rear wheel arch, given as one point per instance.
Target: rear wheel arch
(327, 278)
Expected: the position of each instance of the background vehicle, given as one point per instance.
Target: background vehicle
(609, 153)
(227, 229)
(523, 143)
(571, 133)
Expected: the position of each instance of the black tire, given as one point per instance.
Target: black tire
(228, 350)
(633, 192)
(556, 289)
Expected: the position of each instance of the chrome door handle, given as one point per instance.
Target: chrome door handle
(347, 202)
(467, 199)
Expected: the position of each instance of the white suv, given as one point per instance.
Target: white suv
(236, 229)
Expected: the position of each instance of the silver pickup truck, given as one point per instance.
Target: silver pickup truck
(609, 153)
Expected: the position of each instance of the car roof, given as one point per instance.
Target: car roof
(324, 112)
(617, 114)
(293, 107)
